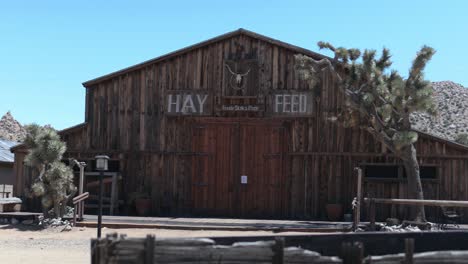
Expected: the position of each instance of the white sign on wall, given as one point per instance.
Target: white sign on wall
(188, 103)
(291, 103)
(244, 179)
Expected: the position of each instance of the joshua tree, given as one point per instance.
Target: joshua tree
(380, 101)
(54, 184)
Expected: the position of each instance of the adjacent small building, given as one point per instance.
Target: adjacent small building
(7, 158)
(226, 127)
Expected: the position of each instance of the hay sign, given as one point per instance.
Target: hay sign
(188, 103)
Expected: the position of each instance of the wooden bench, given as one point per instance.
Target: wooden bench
(12, 204)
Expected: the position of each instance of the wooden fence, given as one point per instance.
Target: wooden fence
(116, 249)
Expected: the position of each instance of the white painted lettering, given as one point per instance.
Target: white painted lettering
(303, 103)
(295, 103)
(277, 102)
(171, 103)
(188, 106)
(286, 103)
(201, 101)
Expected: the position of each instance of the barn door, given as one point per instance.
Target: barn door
(238, 169)
(212, 177)
(261, 165)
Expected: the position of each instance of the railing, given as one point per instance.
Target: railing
(373, 201)
(78, 205)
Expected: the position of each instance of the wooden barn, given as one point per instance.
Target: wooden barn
(227, 128)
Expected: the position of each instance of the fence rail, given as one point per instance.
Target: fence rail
(116, 249)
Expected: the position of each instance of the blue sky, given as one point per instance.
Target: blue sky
(48, 48)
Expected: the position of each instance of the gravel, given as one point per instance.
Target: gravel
(452, 118)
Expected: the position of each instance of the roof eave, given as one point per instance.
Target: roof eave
(443, 140)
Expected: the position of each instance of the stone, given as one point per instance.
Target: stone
(67, 228)
(14, 221)
(10, 129)
(392, 222)
(452, 113)
(27, 222)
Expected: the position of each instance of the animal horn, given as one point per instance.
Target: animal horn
(245, 73)
(229, 68)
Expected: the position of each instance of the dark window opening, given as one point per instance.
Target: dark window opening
(425, 172)
(381, 171)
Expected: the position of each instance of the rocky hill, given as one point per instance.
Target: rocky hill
(10, 129)
(452, 117)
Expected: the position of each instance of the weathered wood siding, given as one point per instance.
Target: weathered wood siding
(127, 114)
(126, 118)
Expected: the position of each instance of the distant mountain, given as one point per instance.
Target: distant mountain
(452, 117)
(10, 129)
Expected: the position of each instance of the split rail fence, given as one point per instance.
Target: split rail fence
(116, 249)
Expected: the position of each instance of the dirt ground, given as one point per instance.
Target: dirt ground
(28, 244)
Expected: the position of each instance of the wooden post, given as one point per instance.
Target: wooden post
(98, 251)
(74, 214)
(113, 191)
(149, 249)
(372, 214)
(357, 205)
(352, 252)
(81, 165)
(94, 254)
(278, 250)
(409, 250)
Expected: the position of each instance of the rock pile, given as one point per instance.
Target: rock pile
(452, 118)
(10, 129)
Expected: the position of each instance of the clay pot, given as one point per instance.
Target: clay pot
(334, 212)
(143, 206)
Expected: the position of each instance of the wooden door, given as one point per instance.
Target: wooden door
(213, 165)
(261, 160)
(225, 151)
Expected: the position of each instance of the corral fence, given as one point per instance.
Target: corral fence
(119, 249)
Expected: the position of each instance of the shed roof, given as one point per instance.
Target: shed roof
(5, 153)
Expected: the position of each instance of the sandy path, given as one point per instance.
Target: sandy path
(20, 244)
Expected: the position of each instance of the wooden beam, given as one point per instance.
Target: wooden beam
(418, 202)
(370, 154)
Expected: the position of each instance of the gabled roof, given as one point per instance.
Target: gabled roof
(450, 143)
(62, 132)
(228, 35)
(5, 154)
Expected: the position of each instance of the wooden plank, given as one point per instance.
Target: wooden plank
(419, 202)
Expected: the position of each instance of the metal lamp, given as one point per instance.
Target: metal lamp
(101, 166)
(101, 162)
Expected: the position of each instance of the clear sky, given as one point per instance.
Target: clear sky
(48, 48)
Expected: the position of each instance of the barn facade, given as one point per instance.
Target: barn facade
(227, 128)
